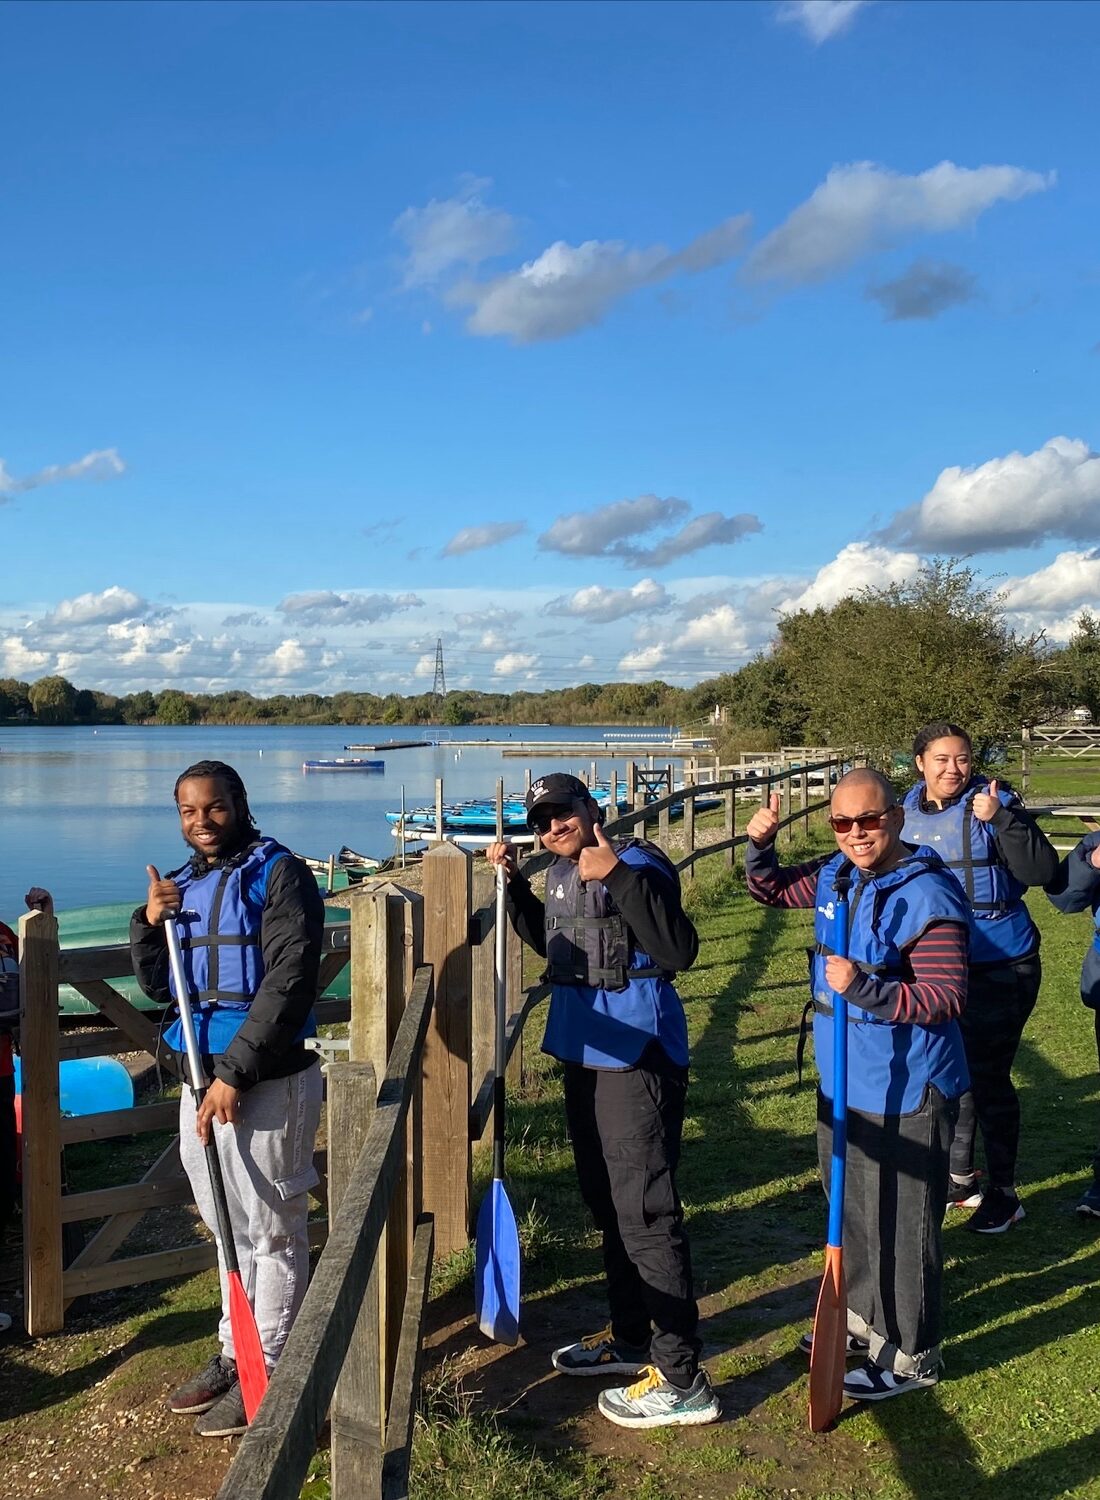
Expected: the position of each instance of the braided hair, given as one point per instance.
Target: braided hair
(217, 770)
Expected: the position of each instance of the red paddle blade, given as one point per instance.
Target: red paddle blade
(251, 1365)
(830, 1337)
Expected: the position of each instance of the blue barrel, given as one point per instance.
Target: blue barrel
(89, 1085)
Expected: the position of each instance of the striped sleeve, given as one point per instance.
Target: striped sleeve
(773, 884)
(932, 988)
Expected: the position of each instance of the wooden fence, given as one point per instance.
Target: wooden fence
(421, 1019)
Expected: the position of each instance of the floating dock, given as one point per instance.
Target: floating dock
(394, 745)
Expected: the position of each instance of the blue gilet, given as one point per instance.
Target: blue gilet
(890, 1063)
(219, 927)
(1001, 928)
(608, 1023)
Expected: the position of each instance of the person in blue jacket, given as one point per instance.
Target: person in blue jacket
(995, 852)
(904, 978)
(614, 934)
(1076, 887)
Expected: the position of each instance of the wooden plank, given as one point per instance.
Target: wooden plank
(332, 1012)
(104, 1041)
(111, 961)
(43, 1309)
(331, 965)
(481, 1108)
(357, 1420)
(136, 1270)
(140, 1030)
(136, 1197)
(274, 1454)
(406, 1380)
(447, 875)
(110, 1122)
(109, 1236)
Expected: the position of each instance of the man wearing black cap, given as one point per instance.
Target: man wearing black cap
(614, 934)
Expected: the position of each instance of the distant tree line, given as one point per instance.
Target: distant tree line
(868, 670)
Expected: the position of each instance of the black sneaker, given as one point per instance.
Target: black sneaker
(226, 1418)
(870, 1382)
(601, 1354)
(998, 1212)
(964, 1192)
(1089, 1206)
(854, 1347)
(201, 1392)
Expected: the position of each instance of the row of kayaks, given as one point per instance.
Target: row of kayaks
(480, 814)
(344, 763)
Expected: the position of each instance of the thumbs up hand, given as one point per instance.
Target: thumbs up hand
(986, 803)
(764, 823)
(597, 860)
(163, 900)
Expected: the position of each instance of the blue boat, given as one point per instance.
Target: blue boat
(343, 764)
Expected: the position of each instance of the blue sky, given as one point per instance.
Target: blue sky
(583, 336)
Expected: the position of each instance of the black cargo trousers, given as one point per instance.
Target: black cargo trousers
(625, 1126)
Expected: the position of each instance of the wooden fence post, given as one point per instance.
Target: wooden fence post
(785, 799)
(39, 1045)
(386, 950)
(358, 1424)
(729, 820)
(447, 1046)
(804, 794)
(688, 872)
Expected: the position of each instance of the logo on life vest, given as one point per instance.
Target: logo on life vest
(559, 894)
(828, 912)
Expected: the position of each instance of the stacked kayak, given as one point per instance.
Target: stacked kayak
(343, 763)
(479, 815)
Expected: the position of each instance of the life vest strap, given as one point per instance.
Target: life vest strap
(228, 940)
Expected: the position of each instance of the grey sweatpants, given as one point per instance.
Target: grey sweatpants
(894, 1200)
(267, 1167)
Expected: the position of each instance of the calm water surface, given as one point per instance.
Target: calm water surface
(83, 811)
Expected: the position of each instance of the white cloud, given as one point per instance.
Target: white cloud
(594, 533)
(451, 232)
(325, 607)
(104, 463)
(645, 659)
(712, 529)
(513, 662)
(601, 605)
(820, 19)
(494, 615)
(474, 538)
(862, 207)
(926, 289)
(111, 604)
(715, 641)
(1072, 579)
(857, 566)
(288, 659)
(19, 659)
(570, 287)
(1014, 501)
(425, 665)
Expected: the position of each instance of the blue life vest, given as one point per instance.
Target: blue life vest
(890, 1063)
(219, 927)
(628, 1002)
(1001, 928)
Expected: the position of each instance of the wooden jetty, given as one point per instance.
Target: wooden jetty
(394, 745)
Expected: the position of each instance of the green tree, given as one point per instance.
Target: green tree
(456, 710)
(1079, 666)
(84, 706)
(176, 708)
(138, 707)
(16, 697)
(391, 714)
(53, 700)
(875, 667)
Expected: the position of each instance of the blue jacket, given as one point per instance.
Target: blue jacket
(609, 1025)
(1076, 887)
(890, 1063)
(1001, 929)
(219, 926)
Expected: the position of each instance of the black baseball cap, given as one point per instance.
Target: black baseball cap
(556, 790)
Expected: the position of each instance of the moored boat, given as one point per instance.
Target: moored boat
(343, 763)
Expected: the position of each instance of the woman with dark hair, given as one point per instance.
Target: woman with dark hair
(995, 851)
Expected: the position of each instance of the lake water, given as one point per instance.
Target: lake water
(83, 811)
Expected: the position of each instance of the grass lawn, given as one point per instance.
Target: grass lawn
(1020, 1407)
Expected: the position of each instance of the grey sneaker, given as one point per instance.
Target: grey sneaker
(227, 1418)
(201, 1392)
(601, 1354)
(653, 1401)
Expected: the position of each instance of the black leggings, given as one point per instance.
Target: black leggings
(1000, 998)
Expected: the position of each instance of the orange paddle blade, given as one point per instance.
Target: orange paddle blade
(247, 1349)
(827, 1358)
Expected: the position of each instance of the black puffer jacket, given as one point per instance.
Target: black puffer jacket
(291, 932)
(1076, 887)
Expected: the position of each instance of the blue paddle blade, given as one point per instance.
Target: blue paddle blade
(496, 1269)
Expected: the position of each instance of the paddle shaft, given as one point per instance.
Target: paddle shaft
(840, 1071)
(500, 997)
(198, 1091)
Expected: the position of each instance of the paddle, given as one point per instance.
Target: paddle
(496, 1268)
(251, 1365)
(830, 1335)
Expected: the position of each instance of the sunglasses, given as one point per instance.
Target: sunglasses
(865, 822)
(541, 820)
